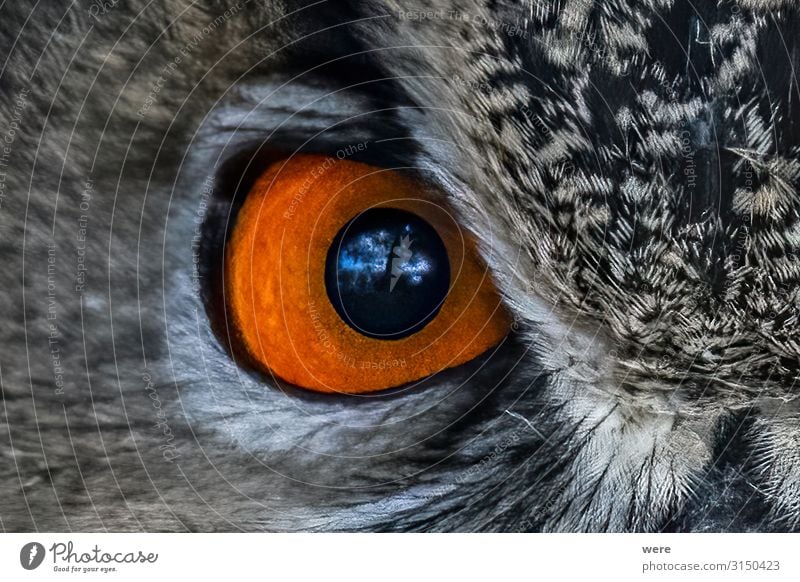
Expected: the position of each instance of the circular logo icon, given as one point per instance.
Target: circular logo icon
(31, 555)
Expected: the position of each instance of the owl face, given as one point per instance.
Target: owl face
(368, 267)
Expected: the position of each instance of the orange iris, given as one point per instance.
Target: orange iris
(275, 287)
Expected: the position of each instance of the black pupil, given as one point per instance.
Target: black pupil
(387, 273)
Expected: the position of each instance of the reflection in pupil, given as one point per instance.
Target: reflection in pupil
(387, 273)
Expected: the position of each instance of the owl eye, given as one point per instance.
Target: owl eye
(343, 277)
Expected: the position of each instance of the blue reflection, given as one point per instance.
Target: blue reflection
(387, 273)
